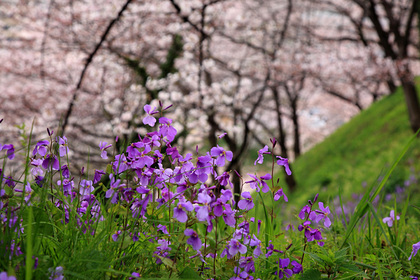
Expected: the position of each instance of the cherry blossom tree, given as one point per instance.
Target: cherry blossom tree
(252, 69)
(385, 27)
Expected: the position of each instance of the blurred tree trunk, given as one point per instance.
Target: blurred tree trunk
(412, 102)
(391, 85)
(394, 25)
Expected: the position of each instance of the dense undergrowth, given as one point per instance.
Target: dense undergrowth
(154, 213)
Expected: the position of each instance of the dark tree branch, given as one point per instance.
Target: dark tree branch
(286, 23)
(88, 61)
(409, 26)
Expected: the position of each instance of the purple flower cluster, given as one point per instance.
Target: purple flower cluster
(284, 269)
(57, 273)
(308, 215)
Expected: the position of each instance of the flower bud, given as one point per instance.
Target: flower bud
(273, 141)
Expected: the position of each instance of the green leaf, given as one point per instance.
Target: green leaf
(168, 262)
(349, 275)
(189, 273)
(108, 169)
(341, 253)
(316, 258)
(310, 274)
(351, 267)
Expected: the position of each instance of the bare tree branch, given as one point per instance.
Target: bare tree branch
(89, 60)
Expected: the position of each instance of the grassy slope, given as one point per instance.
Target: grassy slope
(359, 151)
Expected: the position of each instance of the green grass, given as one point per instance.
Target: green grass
(359, 151)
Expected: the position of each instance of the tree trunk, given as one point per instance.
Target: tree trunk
(290, 181)
(391, 85)
(412, 102)
(295, 119)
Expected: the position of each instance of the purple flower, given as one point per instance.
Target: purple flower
(166, 129)
(297, 267)
(270, 250)
(86, 187)
(290, 227)
(163, 229)
(103, 146)
(204, 210)
(229, 216)
(246, 204)
(162, 251)
(4, 276)
(311, 234)
(41, 148)
(10, 150)
(257, 182)
(98, 175)
(164, 245)
(179, 211)
(201, 172)
(149, 120)
(39, 180)
(225, 196)
(221, 155)
(224, 179)
(64, 149)
(305, 210)
(135, 275)
(65, 171)
(261, 153)
(247, 263)
(254, 241)
(283, 270)
(116, 235)
(235, 246)
(57, 273)
(416, 247)
(9, 181)
(322, 213)
(222, 135)
(120, 163)
(284, 162)
(37, 170)
(141, 162)
(27, 191)
(114, 190)
(51, 161)
(194, 240)
(279, 194)
(390, 220)
(67, 185)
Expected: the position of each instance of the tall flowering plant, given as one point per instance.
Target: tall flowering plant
(152, 212)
